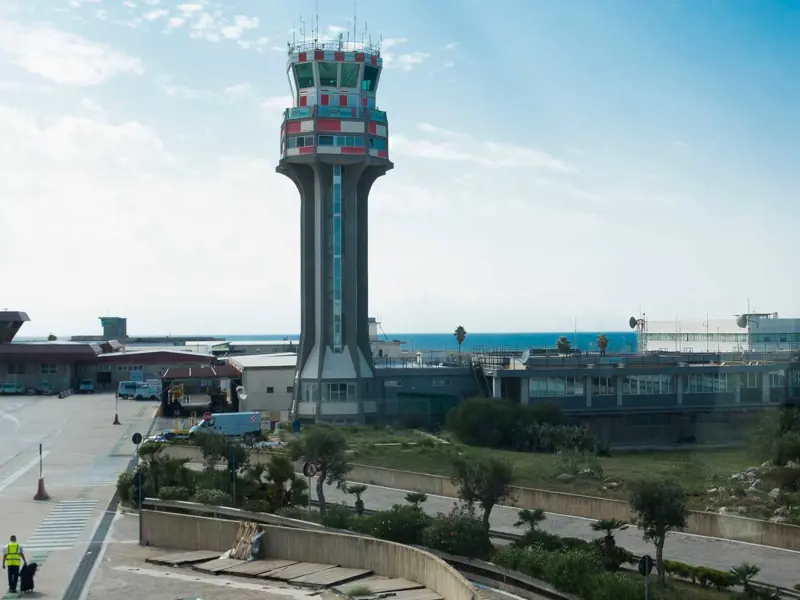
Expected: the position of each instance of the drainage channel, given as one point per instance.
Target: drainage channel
(82, 573)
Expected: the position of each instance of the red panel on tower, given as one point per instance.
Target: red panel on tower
(302, 57)
(373, 60)
(343, 100)
(381, 153)
(329, 125)
(363, 101)
(355, 150)
(293, 127)
(359, 57)
(319, 55)
(323, 99)
(306, 150)
(338, 56)
(373, 128)
(303, 101)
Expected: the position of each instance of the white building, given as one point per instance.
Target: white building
(759, 332)
(383, 348)
(267, 380)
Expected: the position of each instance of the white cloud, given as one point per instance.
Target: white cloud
(462, 148)
(239, 90)
(63, 57)
(403, 61)
(451, 46)
(18, 86)
(190, 8)
(91, 105)
(184, 93)
(259, 45)
(176, 23)
(154, 15)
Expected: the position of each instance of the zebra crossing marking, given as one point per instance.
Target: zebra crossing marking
(62, 528)
(100, 474)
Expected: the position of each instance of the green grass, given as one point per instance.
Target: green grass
(696, 470)
(381, 435)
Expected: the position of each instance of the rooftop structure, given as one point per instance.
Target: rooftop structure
(334, 145)
(10, 323)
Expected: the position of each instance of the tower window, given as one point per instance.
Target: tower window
(300, 141)
(304, 72)
(370, 81)
(377, 143)
(325, 140)
(349, 76)
(328, 73)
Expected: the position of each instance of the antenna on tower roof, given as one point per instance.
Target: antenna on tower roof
(355, 20)
(316, 34)
(303, 29)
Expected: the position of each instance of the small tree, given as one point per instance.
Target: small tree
(487, 481)
(744, 575)
(416, 499)
(563, 345)
(530, 518)
(609, 526)
(460, 334)
(660, 507)
(357, 490)
(602, 344)
(51, 338)
(325, 447)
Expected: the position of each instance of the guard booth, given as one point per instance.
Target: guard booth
(198, 390)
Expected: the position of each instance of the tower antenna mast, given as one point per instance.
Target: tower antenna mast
(355, 19)
(316, 35)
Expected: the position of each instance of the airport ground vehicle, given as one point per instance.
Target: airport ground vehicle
(12, 389)
(44, 388)
(138, 390)
(243, 424)
(86, 387)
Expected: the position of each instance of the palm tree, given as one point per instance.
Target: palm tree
(460, 334)
(602, 343)
(563, 345)
(609, 526)
(531, 518)
(743, 575)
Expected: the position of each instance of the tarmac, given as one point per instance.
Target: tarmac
(82, 454)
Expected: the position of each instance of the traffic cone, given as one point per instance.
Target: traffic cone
(116, 419)
(41, 493)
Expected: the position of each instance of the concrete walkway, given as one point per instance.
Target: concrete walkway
(778, 567)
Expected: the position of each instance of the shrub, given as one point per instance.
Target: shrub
(574, 571)
(531, 561)
(149, 448)
(338, 516)
(613, 586)
(173, 492)
(124, 485)
(213, 498)
(401, 524)
(704, 576)
(461, 532)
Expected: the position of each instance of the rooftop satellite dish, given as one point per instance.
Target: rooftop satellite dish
(241, 392)
(525, 356)
(741, 321)
(632, 322)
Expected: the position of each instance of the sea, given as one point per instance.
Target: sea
(618, 341)
(586, 341)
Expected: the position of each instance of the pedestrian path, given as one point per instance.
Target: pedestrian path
(102, 473)
(62, 528)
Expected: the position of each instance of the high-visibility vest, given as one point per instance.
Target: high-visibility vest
(13, 557)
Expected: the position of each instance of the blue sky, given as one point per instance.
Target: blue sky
(552, 159)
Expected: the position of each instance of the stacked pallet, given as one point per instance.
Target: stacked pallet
(244, 540)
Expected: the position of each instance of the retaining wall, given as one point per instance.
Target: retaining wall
(728, 527)
(188, 532)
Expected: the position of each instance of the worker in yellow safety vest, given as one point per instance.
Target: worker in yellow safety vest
(13, 557)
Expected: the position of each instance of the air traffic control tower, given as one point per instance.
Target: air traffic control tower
(334, 145)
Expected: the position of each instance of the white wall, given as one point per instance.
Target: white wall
(258, 380)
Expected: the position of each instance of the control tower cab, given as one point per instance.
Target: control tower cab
(334, 145)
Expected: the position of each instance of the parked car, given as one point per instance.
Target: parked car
(12, 389)
(86, 387)
(44, 388)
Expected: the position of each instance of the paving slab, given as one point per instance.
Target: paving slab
(423, 594)
(379, 585)
(329, 577)
(257, 567)
(294, 571)
(183, 558)
(217, 565)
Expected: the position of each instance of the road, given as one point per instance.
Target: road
(82, 455)
(778, 567)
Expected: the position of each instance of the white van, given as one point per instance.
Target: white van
(138, 390)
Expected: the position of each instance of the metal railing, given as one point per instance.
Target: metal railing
(336, 45)
(337, 112)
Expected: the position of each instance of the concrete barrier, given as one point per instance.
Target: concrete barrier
(728, 527)
(189, 532)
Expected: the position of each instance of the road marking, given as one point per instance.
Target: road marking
(101, 473)
(216, 580)
(96, 566)
(21, 471)
(62, 527)
(672, 534)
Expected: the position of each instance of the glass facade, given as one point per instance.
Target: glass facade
(697, 337)
(777, 379)
(338, 392)
(304, 74)
(708, 383)
(336, 219)
(300, 141)
(348, 141)
(637, 385)
(555, 386)
(349, 75)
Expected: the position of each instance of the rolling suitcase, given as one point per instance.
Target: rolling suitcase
(26, 575)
